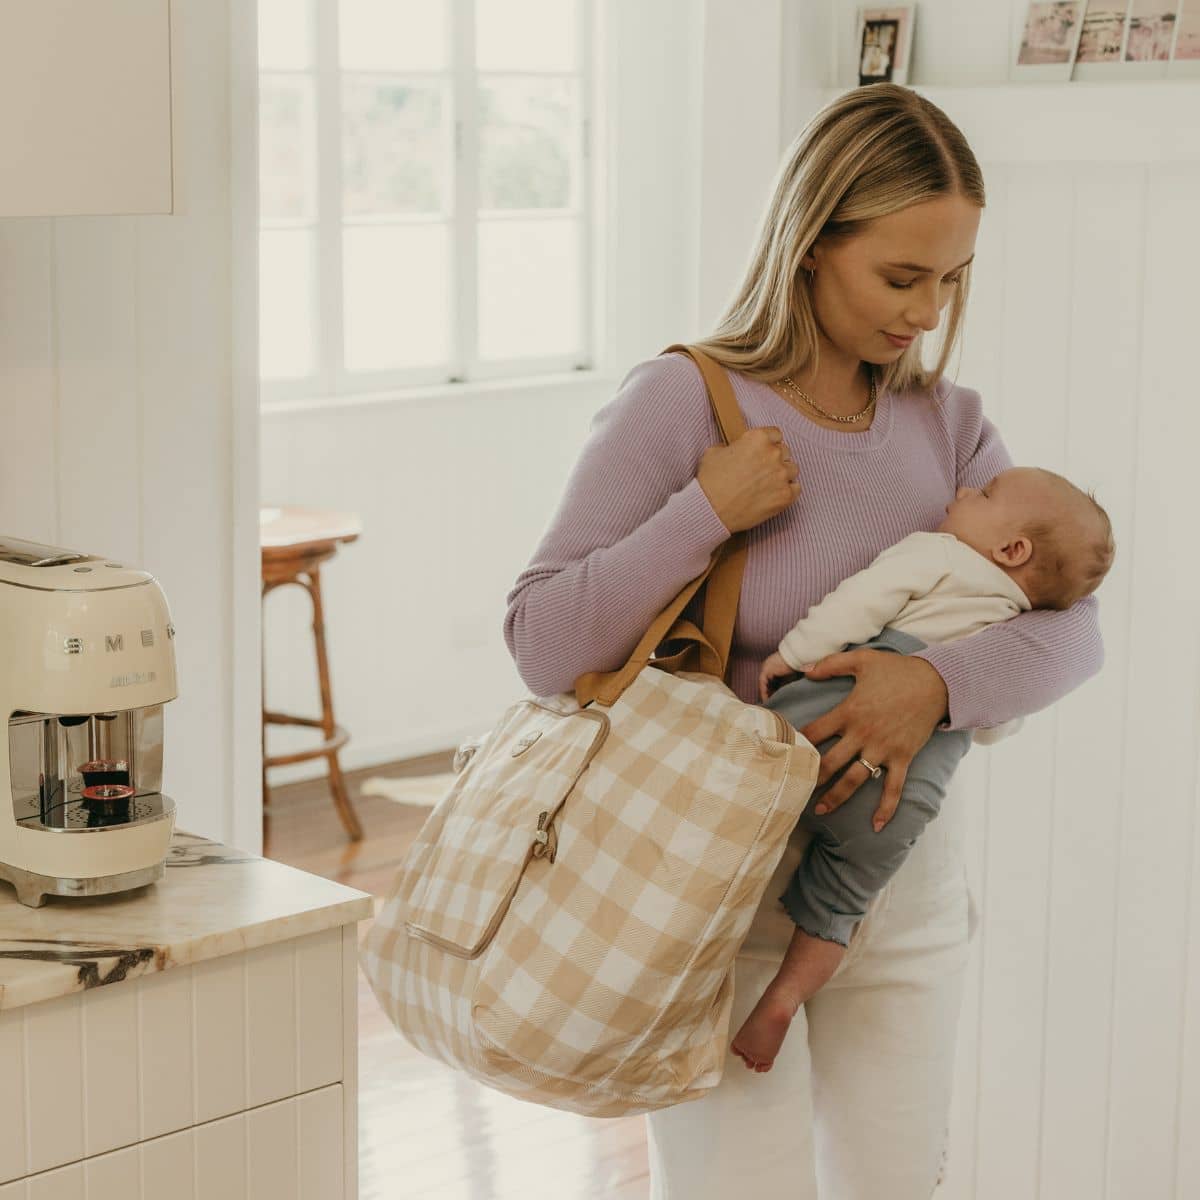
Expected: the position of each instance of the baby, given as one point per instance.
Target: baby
(1029, 539)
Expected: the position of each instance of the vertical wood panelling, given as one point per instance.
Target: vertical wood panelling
(149, 1020)
(981, 368)
(100, 425)
(349, 977)
(1086, 1063)
(1038, 205)
(183, 276)
(1079, 1072)
(1102, 419)
(219, 1009)
(243, 713)
(291, 1150)
(1187, 1175)
(65, 1184)
(982, 352)
(116, 1176)
(169, 1167)
(320, 1121)
(94, 1048)
(165, 1053)
(273, 1152)
(318, 1010)
(116, 393)
(53, 1067)
(968, 793)
(270, 1023)
(13, 1143)
(1159, 783)
(28, 383)
(110, 1075)
(221, 1160)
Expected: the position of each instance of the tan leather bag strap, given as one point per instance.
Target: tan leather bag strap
(688, 647)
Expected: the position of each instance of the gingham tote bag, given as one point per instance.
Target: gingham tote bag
(564, 927)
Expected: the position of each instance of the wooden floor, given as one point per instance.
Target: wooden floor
(426, 1132)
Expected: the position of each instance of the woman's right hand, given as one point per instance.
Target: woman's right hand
(752, 480)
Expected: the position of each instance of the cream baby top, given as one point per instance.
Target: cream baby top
(930, 585)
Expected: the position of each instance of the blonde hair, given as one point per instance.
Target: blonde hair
(1072, 553)
(867, 154)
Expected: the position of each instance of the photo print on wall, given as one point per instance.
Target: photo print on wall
(884, 43)
(1102, 40)
(1103, 36)
(1139, 39)
(1151, 31)
(1049, 40)
(1149, 36)
(1185, 55)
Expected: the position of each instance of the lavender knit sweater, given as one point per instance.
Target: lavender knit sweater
(634, 526)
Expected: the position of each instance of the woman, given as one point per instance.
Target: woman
(852, 445)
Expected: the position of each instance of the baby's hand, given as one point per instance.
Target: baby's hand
(776, 667)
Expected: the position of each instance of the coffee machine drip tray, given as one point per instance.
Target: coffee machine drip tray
(101, 807)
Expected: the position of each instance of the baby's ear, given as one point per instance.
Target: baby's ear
(1014, 553)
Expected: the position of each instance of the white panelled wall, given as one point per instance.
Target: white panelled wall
(128, 388)
(1079, 1050)
(1076, 1051)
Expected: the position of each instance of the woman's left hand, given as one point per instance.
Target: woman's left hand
(896, 704)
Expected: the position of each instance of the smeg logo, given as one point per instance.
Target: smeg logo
(114, 643)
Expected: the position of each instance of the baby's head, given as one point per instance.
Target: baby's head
(1054, 540)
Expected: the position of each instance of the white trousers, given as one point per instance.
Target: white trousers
(856, 1105)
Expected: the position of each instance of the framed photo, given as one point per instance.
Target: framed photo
(885, 43)
(1102, 39)
(1049, 40)
(1149, 38)
(1185, 53)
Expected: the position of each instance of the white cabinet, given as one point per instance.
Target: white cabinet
(238, 1072)
(85, 107)
(290, 1150)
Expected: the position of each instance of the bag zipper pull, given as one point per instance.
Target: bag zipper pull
(541, 838)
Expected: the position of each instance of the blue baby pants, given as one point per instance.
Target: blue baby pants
(847, 863)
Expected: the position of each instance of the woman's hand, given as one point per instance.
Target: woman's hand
(752, 480)
(775, 667)
(896, 704)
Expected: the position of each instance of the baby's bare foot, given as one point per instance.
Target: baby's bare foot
(761, 1035)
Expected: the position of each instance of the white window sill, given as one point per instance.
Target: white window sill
(425, 393)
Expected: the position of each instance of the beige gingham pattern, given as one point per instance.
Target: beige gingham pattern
(599, 982)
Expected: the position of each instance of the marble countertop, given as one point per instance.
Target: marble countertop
(212, 901)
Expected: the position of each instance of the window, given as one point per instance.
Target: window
(425, 192)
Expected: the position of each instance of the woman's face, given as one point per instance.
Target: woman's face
(894, 278)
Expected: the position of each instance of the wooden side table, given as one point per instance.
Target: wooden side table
(295, 542)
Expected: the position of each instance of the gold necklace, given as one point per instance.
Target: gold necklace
(788, 382)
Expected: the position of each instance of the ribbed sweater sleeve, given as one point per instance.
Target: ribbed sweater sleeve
(632, 528)
(1019, 666)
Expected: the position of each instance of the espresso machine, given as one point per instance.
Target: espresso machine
(87, 661)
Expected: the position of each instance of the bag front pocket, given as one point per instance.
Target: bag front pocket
(499, 815)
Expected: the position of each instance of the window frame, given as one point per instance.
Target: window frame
(331, 379)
